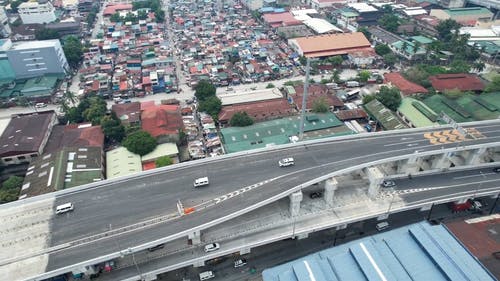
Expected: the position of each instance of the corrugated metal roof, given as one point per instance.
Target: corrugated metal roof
(415, 252)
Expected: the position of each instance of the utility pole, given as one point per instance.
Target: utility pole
(304, 101)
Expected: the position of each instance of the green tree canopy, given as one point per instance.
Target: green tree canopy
(382, 49)
(320, 105)
(390, 59)
(140, 142)
(163, 161)
(390, 97)
(73, 50)
(270, 86)
(368, 98)
(494, 85)
(364, 75)
(453, 93)
(446, 29)
(10, 189)
(13, 182)
(204, 90)
(365, 31)
(389, 22)
(46, 34)
(241, 119)
(212, 106)
(112, 128)
(336, 60)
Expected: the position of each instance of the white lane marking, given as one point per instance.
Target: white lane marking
(403, 142)
(473, 176)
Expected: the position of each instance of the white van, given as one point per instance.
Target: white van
(61, 209)
(382, 225)
(206, 275)
(200, 182)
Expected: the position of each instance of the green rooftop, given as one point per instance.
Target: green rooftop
(278, 131)
(468, 107)
(468, 11)
(417, 113)
(422, 39)
(409, 47)
(6, 71)
(387, 119)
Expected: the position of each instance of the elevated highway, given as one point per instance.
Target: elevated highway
(143, 210)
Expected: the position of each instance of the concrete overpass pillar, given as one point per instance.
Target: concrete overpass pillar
(441, 161)
(295, 199)
(149, 277)
(375, 177)
(330, 186)
(199, 263)
(244, 251)
(412, 166)
(195, 237)
(476, 156)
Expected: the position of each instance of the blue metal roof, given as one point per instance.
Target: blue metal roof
(415, 252)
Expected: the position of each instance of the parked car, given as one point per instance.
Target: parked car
(40, 105)
(212, 247)
(496, 169)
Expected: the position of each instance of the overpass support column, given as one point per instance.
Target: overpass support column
(195, 237)
(295, 199)
(375, 176)
(411, 166)
(476, 156)
(441, 161)
(244, 251)
(199, 263)
(149, 277)
(330, 186)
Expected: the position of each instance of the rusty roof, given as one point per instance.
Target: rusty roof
(332, 42)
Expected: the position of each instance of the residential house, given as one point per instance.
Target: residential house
(163, 122)
(128, 113)
(406, 87)
(461, 81)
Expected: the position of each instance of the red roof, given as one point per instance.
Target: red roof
(259, 111)
(463, 82)
(113, 8)
(285, 18)
(127, 112)
(314, 92)
(75, 135)
(406, 87)
(351, 114)
(147, 104)
(148, 165)
(162, 120)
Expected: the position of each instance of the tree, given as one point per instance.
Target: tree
(112, 128)
(163, 161)
(445, 29)
(368, 98)
(336, 60)
(390, 97)
(10, 189)
(459, 66)
(303, 60)
(140, 142)
(212, 106)
(241, 119)
(390, 59)
(382, 49)
(204, 90)
(404, 47)
(95, 111)
(494, 86)
(364, 75)
(142, 15)
(320, 105)
(46, 34)
(115, 17)
(270, 86)
(364, 30)
(389, 22)
(73, 50)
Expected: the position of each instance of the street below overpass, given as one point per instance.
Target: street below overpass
(279, 251)
(142, 209)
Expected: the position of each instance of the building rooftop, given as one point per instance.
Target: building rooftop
(164, 149)
(321, 26)
(285, 18)
(422, 39)
(128, 112)
(121, 162)
(481, 236)
(461, 81)
(278, 131)
(417, 113)
(384, 116)
(252, 96)
(317, 45)
(26, 45)
(259, 110)
(69, 167)
(75, 135)
(25, 133)
(315, 92)
(468, 11)
(362, 7)
(406, 87)
(415, 252)
(162, 120)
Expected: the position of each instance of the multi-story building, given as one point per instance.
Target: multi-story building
(4, 23)
(253, 4)
(36, 58)
(37, 12)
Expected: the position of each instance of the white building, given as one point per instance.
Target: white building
(36, 12)
(253, 4)
(36, 58)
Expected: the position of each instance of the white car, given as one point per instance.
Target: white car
(240, 263)
(388, 183)
(212, 247)
(286, 162)
(201, 182)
